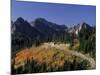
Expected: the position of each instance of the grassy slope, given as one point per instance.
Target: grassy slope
(53, 57)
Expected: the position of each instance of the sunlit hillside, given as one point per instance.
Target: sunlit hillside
(49, 58)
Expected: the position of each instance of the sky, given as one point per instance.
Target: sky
(66, 14)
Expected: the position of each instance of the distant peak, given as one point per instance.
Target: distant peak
(20, 19)
(83, 24)
(40, 19)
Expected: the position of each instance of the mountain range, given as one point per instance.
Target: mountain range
(40, 27)
(26, 34)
